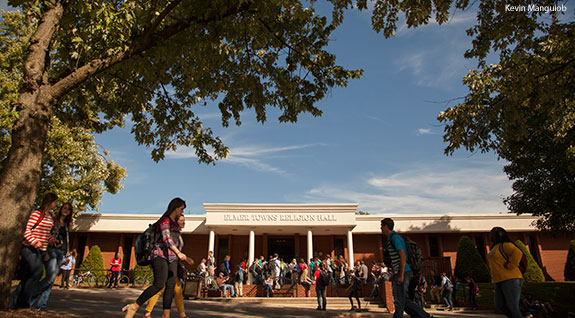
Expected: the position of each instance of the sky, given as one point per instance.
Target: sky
(378, 143)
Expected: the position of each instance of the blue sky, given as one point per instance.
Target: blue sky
(377, 144)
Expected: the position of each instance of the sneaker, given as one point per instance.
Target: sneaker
(353, 308)
(318, 308)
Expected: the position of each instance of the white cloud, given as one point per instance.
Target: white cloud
(431, 188)
(423, 131)
(254, 157)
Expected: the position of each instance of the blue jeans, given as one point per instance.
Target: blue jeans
(447, 296)
(52, 267)
(320, 293)
(507, 294)
(32, 258)
(401, 299)
(225, 287)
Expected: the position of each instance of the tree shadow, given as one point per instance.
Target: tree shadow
(84, 222)
(443, 224)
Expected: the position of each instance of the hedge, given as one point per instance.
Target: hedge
(570, 264)
(469, 262)
(533, 274)
(94, 260)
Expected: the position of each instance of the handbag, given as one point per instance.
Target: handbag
(182, 271)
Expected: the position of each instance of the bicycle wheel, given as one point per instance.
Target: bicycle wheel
(123, 281)
(101, 281)
(74, 281)
(90, 280)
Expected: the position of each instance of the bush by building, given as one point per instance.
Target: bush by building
(93, 262)
(533, 274)
(142, 272)
(469, 262)
(570, 264)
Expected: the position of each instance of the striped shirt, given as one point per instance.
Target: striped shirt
(41, 233)
(398, 244)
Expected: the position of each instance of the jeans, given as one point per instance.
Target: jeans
(165, 274)
(269, 289)
(225, 287)
(321, 299)
(34, 270)
(52, 267)
(507, 294)
(354, 293)
(113, 279)
(447, 295)
(65, 278)
(401, 299)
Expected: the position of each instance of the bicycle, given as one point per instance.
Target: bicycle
(144, 280)
(83, 278)
(104, 280)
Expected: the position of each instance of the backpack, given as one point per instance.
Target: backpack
(448, 284)
(522, 263)
(475, 288)
(323, 279)
(144, 246)
(414, 255)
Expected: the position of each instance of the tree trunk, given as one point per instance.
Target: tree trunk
(19, 184)
(22, 168)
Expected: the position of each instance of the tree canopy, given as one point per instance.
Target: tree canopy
(523, 107)
(74, 167)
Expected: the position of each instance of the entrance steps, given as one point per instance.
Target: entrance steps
(335, 303)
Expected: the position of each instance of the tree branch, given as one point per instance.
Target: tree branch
(146, 42)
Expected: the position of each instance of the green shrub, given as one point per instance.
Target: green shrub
(94, 260)
(533, 274)
(469, 262)
(570, 264)
(140, 271)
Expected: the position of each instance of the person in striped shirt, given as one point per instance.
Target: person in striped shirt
(37, 237)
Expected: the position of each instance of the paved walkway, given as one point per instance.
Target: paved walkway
(101, 302)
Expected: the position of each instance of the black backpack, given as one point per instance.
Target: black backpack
(323, 279)
(144, 246)
(414, 255)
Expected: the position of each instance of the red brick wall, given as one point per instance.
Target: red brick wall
(554, 254)
(365, 248)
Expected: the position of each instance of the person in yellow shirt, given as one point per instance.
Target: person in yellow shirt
(504, 259)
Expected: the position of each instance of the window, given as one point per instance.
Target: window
(434, 247)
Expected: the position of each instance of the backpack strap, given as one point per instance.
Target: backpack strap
(504, 255)
(38, 222)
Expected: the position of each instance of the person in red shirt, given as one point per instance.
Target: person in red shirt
(116, 264)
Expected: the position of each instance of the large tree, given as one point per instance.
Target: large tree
(523, 107)
(74, 166)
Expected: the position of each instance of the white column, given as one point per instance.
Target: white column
(350, 249)
(251, 254)
(309, 245)
(212, 243)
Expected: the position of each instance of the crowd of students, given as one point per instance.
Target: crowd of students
(46, 250)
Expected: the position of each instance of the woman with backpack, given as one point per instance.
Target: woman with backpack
(504, 259)
(165, 256)
(473, 290)
(447, 291)
(37, 237)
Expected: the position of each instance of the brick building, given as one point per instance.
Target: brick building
(306, 230)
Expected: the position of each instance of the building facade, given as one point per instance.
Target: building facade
(247, 231)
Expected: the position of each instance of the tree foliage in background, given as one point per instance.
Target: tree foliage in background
(523, 107)
(73, 166)
(533, 274)
(470, 263)
(569, 270)
(93, 262)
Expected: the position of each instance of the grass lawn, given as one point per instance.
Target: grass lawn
(560, 295)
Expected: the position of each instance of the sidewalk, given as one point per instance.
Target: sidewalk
(263, 306)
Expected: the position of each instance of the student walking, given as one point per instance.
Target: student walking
(37, 236)
(56, 251)
(67, 268)
(504, 259)
(164, 260)
(473, 290)
(178, 290)
(354, 288)
(447, 291)
(397, 249)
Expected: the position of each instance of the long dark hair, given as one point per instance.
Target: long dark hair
(68, 218)
(47, 200)
(175, 203)
(499, 235)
